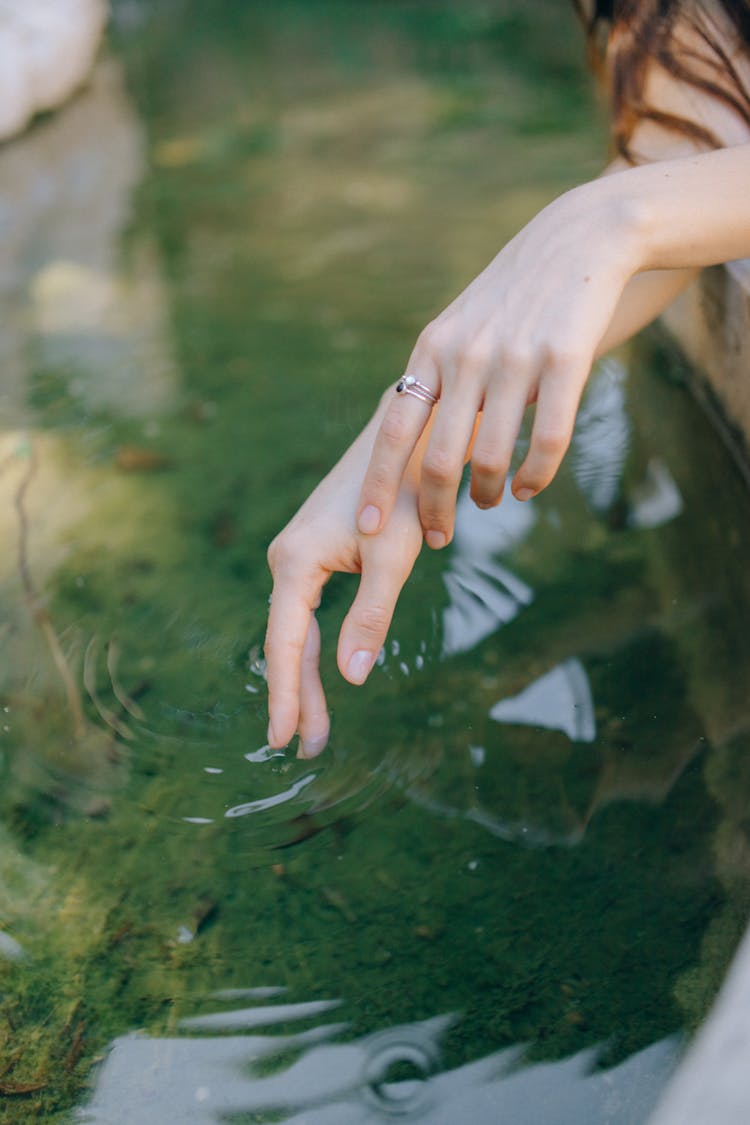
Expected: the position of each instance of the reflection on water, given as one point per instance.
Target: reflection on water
(394, 1073)
(522, 862)
(559, 700)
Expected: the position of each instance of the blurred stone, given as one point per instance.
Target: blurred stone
(47, 48)
(712, 1085)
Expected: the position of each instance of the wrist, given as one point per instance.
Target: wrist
(624, 215)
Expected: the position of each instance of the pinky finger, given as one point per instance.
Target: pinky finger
(554, 419)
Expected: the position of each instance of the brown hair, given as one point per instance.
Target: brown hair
(626, 36)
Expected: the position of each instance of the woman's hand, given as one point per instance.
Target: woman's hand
(529, 327)
(321, 539)
(524, 331)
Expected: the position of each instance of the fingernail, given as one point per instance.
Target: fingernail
(524, 494)
(435, 539)
(358, 668)
(311, 747)
(369, 520)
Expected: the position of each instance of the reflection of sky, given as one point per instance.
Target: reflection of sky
(559, 700)
(602, 436)
(317, 1078)
(485, 594)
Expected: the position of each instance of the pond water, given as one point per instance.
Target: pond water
(511, 886)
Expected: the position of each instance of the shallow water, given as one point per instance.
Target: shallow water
(512, 884)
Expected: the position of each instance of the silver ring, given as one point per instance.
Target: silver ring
(409, 385)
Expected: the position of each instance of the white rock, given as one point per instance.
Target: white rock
(47, 48)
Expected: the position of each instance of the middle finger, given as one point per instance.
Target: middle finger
(314, 722)
(442, 466)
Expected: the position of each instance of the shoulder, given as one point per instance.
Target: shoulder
(700, 77)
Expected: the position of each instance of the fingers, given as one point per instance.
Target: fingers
(314, 723)
(399, 432)
(289, 623)
(387, 563)
(443, 462)
(494, 443)
(554, 419)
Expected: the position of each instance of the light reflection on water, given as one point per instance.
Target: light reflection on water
(533, 817)
(484, 595)
(397, 1073)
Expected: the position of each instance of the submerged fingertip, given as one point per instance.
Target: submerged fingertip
(276, 742)
(311, 747)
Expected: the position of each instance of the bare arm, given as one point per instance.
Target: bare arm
(528, 328)
(586, 274)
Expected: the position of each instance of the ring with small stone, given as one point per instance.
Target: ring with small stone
(409, 385)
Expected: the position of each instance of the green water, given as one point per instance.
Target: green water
(521, 866)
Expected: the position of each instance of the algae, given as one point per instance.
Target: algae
(301, 164)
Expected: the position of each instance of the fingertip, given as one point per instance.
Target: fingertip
(369, 519)
(311, 747)
(273, 739)
(359, 666)
(436, 539)
(523, 493)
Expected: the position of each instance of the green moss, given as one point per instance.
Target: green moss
(271, 130)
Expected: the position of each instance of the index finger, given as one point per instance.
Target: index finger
(400, 430)
(289, 621)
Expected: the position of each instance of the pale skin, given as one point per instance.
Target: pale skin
(585, 274)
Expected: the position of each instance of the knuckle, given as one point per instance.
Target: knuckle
(284, 553)
(487, 462)
(550, 443)
(562, 358)
(435, 340)
(394, 428)
(516, 359)
(378, 483)
(372, 620)
(477, 358)
(439, 467)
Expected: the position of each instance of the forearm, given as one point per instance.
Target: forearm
(674, 216)
(683, 213)
(644, 298)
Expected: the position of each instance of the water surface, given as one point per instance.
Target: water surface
(511, 886)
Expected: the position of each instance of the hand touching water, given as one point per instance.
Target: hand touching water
(525, 331)
(322, 538)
